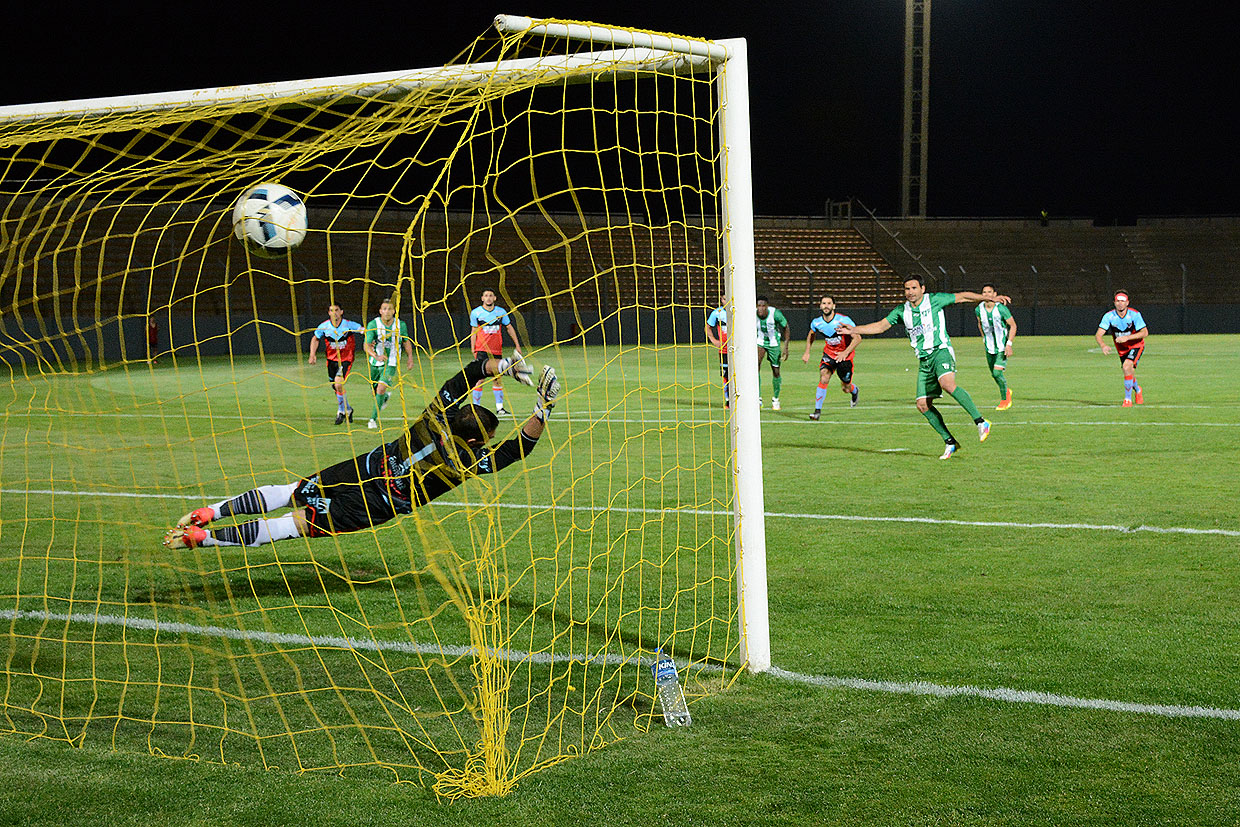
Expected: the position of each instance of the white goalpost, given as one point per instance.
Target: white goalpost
(598, 181)
(731, 57)
(631, 52)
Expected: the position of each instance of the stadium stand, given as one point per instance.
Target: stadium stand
(185, 263)
(1073, 263)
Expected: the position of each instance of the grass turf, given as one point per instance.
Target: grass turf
(1046, 603)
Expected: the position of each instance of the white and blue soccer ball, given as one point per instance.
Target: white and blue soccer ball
(270, 219)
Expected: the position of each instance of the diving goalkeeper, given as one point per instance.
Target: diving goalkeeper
(443, 447)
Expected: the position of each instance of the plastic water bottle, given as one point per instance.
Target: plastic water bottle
(667, 687)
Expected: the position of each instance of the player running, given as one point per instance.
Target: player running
(717, 335)
(443, 447)
(339, 337)
(923, 320)
(773, 339)
(998, 329)
(384, 338)
(1127, 328)
(487, 322)
(836, 353)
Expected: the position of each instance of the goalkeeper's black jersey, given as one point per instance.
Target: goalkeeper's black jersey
(424, 463)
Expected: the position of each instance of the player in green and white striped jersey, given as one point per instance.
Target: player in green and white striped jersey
(773, 338)
(922, 317)
(998, 329)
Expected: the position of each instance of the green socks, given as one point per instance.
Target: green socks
(962, 396)
(935, 419)
(777, 381)
(381, 399)
(1001, 381)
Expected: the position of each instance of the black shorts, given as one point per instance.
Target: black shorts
(1134, 354)
(344, 497)
(482, 356)
(334, 367)
(843, 369)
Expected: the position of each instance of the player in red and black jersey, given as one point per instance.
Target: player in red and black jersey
(340, 338)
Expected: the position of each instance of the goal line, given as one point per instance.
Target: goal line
(924, 688)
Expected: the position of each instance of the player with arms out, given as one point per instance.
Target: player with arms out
(923, 320)
(837, 353)
(385, 337)
(773, 339)
(717, 335)
(488, 322)
(998, 329)
(339, 338)
(443, 447)
(1127, 328)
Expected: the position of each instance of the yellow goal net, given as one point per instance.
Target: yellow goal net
(151, 364)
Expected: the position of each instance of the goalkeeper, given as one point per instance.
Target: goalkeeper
(443, 447)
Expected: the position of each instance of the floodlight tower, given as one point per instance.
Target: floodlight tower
(916, 108)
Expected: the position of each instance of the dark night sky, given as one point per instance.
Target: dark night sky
(1087, 109)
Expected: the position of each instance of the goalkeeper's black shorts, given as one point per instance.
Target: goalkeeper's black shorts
(343, 498)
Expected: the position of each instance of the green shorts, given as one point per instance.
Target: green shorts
(942, 360)
(382, 373)
(773, 354)
(996, 361)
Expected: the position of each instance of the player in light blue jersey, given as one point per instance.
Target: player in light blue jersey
(837, 353)
(717, 335)
(1127, 328)
(340, 339)
(488, 321)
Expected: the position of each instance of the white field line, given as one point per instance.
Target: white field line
(1059, 406)
(409, 647)
(1018, 696)
(708, 512)
(605, 417)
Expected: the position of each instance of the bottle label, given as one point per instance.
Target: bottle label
(664, 670)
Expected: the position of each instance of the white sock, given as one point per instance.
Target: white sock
(254, 533)
(270, 498)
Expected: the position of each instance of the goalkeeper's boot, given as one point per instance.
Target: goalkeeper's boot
(190, 536)
(949, 449)
(339, 417)
(197, 517)
(1139, 399)
(983, 430)
(501, 411)
(349, 416)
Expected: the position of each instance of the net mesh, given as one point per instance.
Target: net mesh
(151, 364)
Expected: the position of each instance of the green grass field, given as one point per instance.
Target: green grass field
(1085, 551)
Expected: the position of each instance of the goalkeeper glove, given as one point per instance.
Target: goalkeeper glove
(548, 390)
(517, 369)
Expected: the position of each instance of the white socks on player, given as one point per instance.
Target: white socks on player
(254, 533)
(258, 501)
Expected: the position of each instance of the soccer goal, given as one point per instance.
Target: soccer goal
(596, 181)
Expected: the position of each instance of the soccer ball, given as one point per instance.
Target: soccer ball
(270, 220)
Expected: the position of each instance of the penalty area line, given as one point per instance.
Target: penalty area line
(1001, 694)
